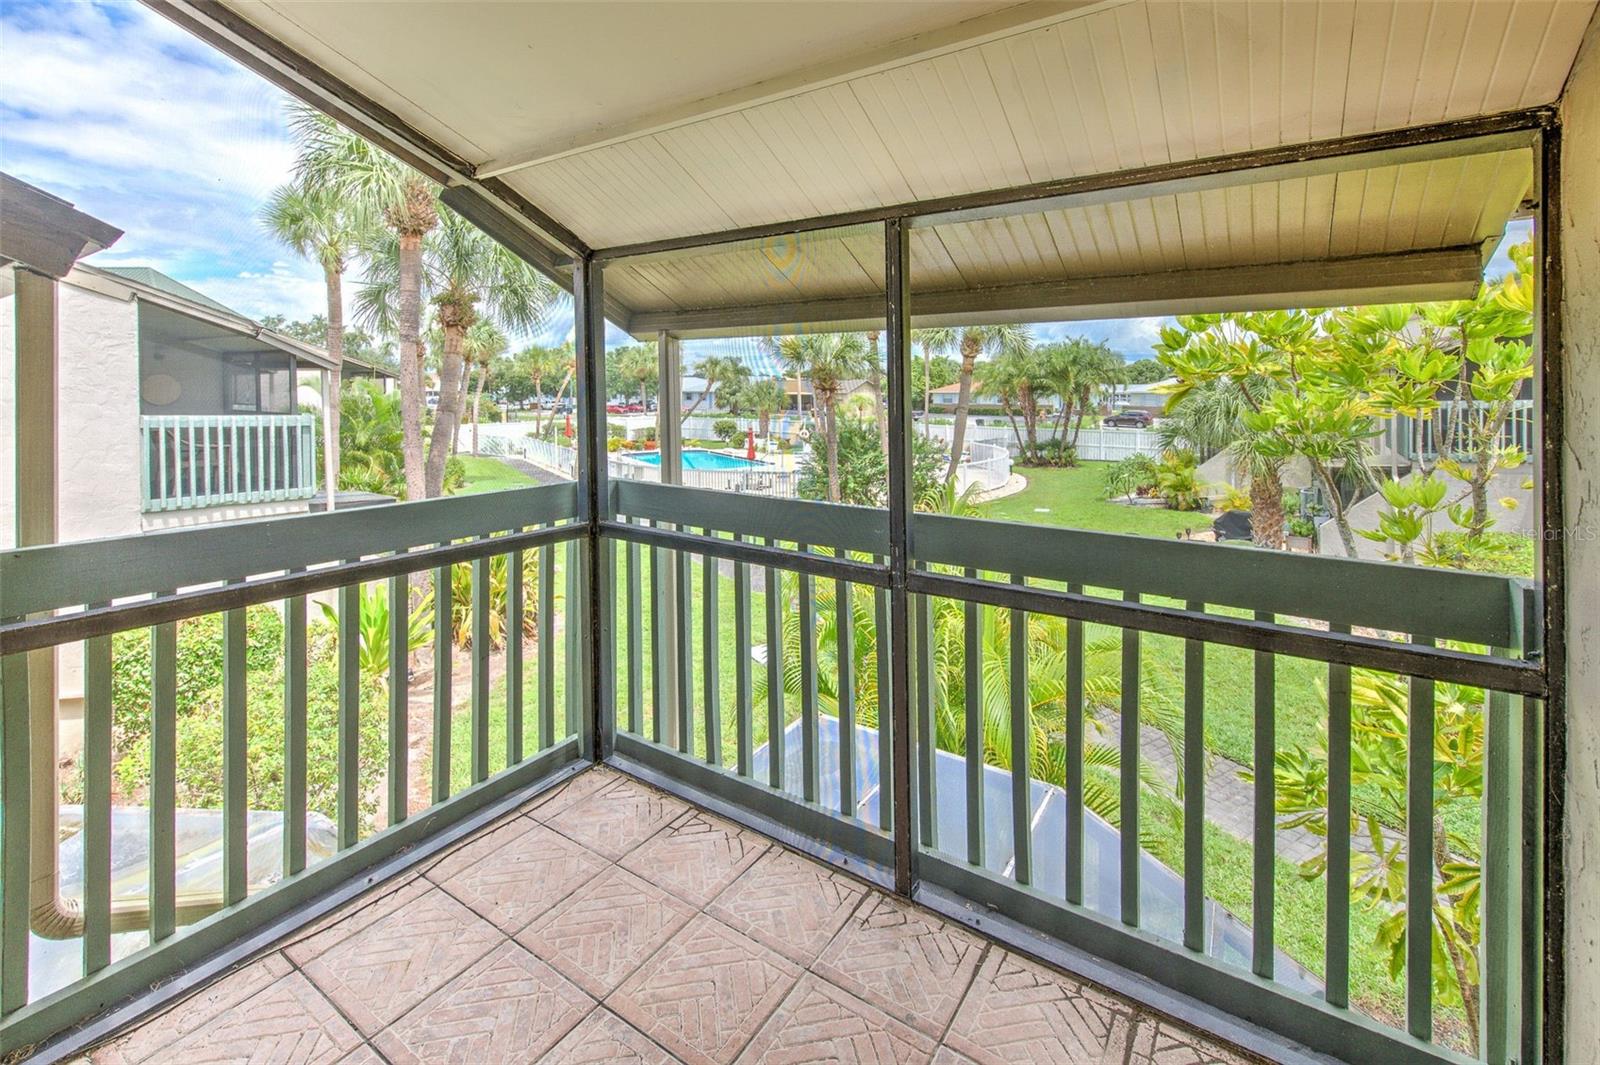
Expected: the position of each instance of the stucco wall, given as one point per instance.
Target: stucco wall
(1580, 198)
(98, 396)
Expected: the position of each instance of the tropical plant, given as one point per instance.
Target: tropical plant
(722, 375)
(637, 366)
(541, 364)
(727, 430)
(483, 346)
(1379, 727)
(827, 360)
(327, 228)
(1208, 418)
(1077, 371)
(864, 468)
(1177, 480)
(970, 342)
(1135, 475)
(461, 577)
(371, 441)
(764, 396)
(372, 626)
(1016, 377)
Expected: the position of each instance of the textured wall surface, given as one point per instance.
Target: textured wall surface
(1580, 114)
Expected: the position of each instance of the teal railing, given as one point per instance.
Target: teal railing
(202, 460)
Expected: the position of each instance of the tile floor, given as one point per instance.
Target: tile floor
(609, 922)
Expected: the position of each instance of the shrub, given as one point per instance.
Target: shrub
(616, 431)
(1054, 452)
(455, 475)
(1178, 480)
(1301, 526)
(1134, 475)
(727, 429)
(649, 434)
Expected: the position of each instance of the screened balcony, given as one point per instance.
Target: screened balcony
(630, 767)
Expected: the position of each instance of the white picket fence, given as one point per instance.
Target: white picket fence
(1106, 445)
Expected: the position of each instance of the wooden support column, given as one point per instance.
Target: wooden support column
(669, 438)
(37, 523)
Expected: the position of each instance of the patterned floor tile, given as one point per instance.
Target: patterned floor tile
(516, 872)
(697, 856)
(353, 916)
(543, 807)
(192, 1013)
(818, 1022)
(614, 821)
(599, 935)
(1019, 1011)
(289, 1023)
(904, 961)
(945, 1056)
(1158, 1041)
(509, 1006)
(391, 965)
(789, 903)
(606, 1039)
(705, 993)
(363, 1055)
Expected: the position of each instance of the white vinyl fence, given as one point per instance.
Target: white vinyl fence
(1093, 444)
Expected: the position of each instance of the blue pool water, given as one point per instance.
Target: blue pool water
(698, 459)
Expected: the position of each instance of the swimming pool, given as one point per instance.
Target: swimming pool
(700, 459)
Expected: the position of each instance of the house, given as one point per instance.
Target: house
(1150, 398)
(175, 409)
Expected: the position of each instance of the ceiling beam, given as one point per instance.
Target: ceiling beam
(1449, 273)
(966, 34)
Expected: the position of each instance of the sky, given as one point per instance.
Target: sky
(113, 108)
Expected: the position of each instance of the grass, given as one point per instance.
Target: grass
(490, 475)
(1075, 497)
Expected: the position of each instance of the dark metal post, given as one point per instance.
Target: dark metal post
(589, 331)
(898, 336)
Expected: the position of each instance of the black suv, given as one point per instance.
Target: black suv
(1128, 419)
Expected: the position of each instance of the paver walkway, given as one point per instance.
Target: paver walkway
(609, 922)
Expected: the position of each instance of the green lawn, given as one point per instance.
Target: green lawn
(491, 475)
(1076, 497)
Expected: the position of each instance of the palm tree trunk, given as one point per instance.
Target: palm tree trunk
(335, 344)
(448, 417)
(958, 438)
(875, 383)
(409, 323)
(477, 402)
(1266, 509)
(831, 431)
(467, 370)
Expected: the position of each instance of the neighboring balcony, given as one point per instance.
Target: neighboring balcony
(192, 461)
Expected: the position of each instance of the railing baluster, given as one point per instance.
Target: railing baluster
(845, 627)
(15, 859)
(573, 669)
(1194, 789)
(349, 746)
(514, 611)
(711, 647)
(163, 870)
(1419, 856)
(684, 652)
(880, 614)
(96, 804)
(145, 457)
(635, 639)
(1073, 776)
(399, 699)
(776, 711)
(194, 467)
(442, 644)
(207, 437)
(1265, 843)
(1501, 792)
(235, 767)
(972, 687)
(480, 670)
(1021, 746)
(161, 466)
(1128, 777)
(810, 763)
(924, 741)
(1336, 957)
(294, 734)
(658, 665)
(547, 646)
(742, 697)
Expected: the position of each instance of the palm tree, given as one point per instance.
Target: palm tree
(370, 441)
(875, 383)
(484, 344)
(1208, 419)
(1016, 377)
(333, 158)
(1075, 370)
(637, 363)
(766, 397)
(719, 372)
(828, 359)
(971, 341)
(328, 229)
(540, 363)
(463, 268)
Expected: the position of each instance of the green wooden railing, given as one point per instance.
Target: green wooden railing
(523, 552)
(726, 675)
(194, 460)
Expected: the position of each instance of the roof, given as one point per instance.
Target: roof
(45, 232)
(153, 278)
(772, 113)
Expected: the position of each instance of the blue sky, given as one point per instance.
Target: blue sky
(108, 105)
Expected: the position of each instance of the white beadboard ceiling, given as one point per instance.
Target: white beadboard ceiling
(631, 122)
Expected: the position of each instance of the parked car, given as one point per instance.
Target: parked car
(1128, 419)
